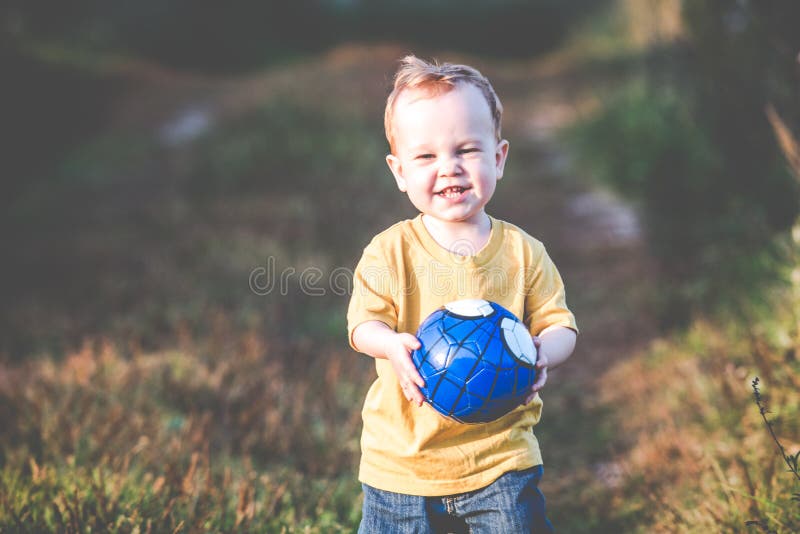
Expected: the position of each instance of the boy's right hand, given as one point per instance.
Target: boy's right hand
(398, 350)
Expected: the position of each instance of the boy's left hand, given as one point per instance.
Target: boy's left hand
(541, 366)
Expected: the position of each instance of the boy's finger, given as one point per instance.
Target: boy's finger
(413, 394)
(418, 398)
(411, 342)
(541, 380)
(416, 378)
(530, 397)
(412, 375)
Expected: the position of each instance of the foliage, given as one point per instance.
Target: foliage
(690, 143)
(285, 147)
(791, 460)
(198, 35)
(193, 218)
(688, 140)
(215, 437)
(47, 109)
(210, 408)
(695, 456)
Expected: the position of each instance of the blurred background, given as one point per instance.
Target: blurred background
(186, 188)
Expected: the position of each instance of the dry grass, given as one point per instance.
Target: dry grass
(699, 458)
(212, 436)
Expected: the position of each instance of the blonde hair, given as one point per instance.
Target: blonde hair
(415, 73)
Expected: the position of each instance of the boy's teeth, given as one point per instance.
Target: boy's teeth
(452, 191)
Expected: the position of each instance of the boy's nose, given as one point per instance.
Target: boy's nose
(450, 166)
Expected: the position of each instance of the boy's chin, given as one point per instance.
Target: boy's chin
(455, 217)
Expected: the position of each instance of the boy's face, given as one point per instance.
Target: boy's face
(446, 156)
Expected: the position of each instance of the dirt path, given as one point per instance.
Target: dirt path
(596, 241)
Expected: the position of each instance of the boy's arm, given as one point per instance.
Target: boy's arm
(555, 345)
(376, 339)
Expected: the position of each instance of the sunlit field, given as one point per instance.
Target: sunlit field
(174, 354)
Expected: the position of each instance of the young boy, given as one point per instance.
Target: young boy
(420, 471)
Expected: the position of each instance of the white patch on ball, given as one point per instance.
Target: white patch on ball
(519, 340)
(470, 308)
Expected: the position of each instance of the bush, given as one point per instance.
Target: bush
(690, 144)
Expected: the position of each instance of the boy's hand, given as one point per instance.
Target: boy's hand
(541, 366)
(398, 351)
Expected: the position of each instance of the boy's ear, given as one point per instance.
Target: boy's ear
(500, 155)
(397, 170)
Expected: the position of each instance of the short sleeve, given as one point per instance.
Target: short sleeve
(545, 299)
(371, 299)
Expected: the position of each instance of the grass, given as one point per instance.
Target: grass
(193, 439)
(148, 389)
(175, 398)
(701, 457)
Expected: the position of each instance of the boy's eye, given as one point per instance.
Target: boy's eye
(468, 150)
(425, 156)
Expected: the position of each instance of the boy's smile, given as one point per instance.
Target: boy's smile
(446, 156)
(453, 192)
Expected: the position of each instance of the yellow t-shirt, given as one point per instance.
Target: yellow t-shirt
(402, 277)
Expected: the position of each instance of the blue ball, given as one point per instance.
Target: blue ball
(477, 360)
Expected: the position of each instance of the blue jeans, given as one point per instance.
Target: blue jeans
(511, 504)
